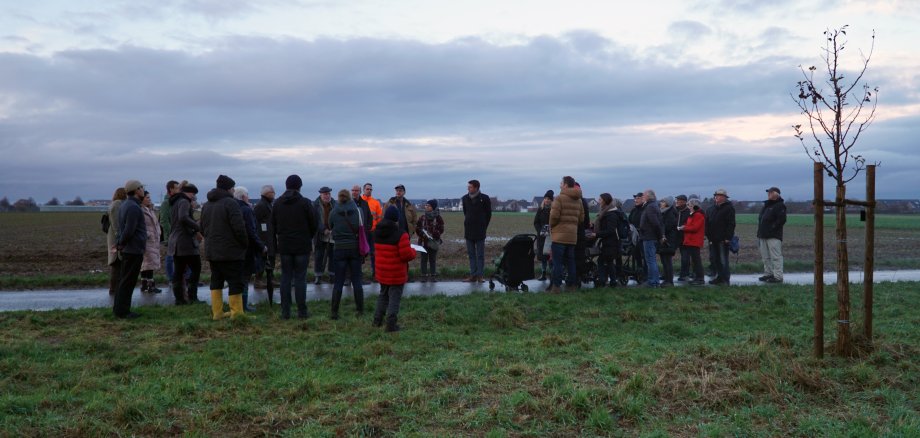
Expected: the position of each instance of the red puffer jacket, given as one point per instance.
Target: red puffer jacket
(393, 253)
(694, 229)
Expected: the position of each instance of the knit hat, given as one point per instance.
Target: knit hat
(392, 213)
(293, 182)
(190, 188)
(132, 185)
(433, 203)
(224, 182)
(681, 197)
(549, 194)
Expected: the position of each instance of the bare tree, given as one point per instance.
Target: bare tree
(836, 118)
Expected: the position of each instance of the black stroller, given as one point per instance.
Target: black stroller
(515, 264)
(633, 262)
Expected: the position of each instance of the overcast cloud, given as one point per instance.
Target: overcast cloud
(431, 114)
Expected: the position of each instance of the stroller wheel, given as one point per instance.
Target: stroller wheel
(524, 287)
(491, 285)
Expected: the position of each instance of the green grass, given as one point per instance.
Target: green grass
(685, 362)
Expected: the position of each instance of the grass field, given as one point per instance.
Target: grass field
(706, 362)
(42, 250)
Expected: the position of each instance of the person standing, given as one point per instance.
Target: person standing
(693, 230)
(565, 214)
(263, 213)
(393, 256)
(184, 237)
(407, 214)
(111, 237)
(651, 234)
(255, 249)
(152, 251)
(322, 263)
(131, 244)
(720, 227)
(770, 236)
(225, 243)
(606, 225)
(477, 213)
(344, 222)
(671, 241)
(429, 228)
(635, 218)
(366, 219)
(683, 213)
(172, 187)
(294, 225)
(541, 227)
(377, 214)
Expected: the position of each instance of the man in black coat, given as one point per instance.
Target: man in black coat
(130, 245)
(635, 215)
(770, 236)
(683, 213)
(651, 233)
(294, 223)
(720, 228)
(477, 213)
(263, 212)
(225, 244)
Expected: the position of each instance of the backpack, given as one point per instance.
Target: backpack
(105, 222)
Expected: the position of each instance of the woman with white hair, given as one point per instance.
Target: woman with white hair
(255, 246)
(694, 230)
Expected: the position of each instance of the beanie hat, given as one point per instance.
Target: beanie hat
(224, 182)
(392, 213)
(293, 182)
(681, 197)
(190, 188)
(549, 194)
(433, 203)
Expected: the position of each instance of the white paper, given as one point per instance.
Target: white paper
(264, 228)
(418, 248)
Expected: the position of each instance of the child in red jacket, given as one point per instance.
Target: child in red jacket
(393, 255)
(694, 229)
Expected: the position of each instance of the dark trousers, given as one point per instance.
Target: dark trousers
(130, 270)
(347, 260)
(186, 291)
(718, 253)
(115, 276)
(608, 268)
(323, 261)
(294, 269)
(564, 259)
(541, 240)
(230, 272)
(685, 257)
(388, 301)
(667, 268)
(693, 258)
(373, 255)
(429, 262)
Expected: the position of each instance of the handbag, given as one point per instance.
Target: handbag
(363, 247)
(548, 245)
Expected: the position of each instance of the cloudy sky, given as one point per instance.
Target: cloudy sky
(681, 96)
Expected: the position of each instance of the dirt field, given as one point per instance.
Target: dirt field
(42, 244)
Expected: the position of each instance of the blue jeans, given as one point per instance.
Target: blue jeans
(564, 258)
(649, 250)
(169, 267)
(347, 260)
(718, 255)
(476, 251)
(294, 267)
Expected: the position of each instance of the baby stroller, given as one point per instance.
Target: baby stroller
(633, 262)
(515, 263)
(589, 262)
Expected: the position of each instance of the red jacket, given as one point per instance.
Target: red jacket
(694, 229)
(393, 253)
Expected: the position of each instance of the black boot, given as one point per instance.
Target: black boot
(144, 286)
(179, 293)
(152, 287)
(336, 300)
(542, 276)
(391, 324)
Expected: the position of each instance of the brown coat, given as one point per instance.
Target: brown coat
(565, 215)
(152, 250)
(111, 237)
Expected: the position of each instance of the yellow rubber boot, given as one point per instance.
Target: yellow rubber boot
(236, 306)
(217, 305)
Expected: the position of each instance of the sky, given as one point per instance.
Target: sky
(680, 96)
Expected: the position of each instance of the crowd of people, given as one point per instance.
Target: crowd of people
(242, 242)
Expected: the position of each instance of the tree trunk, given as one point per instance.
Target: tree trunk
(844, 343)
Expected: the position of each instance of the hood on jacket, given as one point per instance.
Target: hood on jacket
(289, 197)
(217, 194)
(175, 198)
(572, 192)
(386, 229)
